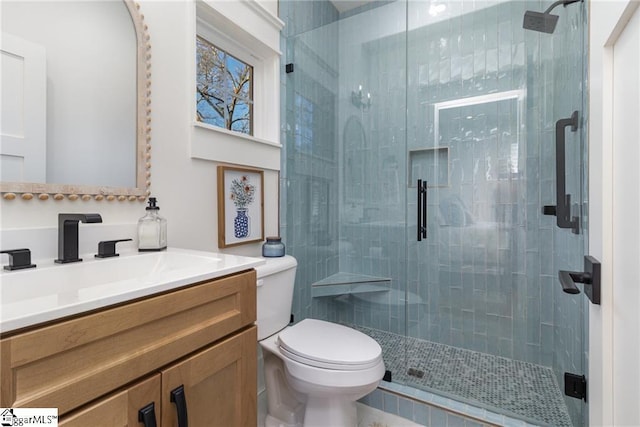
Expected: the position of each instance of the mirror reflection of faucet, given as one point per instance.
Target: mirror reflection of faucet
(68, 235)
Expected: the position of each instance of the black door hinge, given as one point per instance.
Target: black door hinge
(575, 386)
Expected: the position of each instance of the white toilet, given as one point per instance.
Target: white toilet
(314, 370)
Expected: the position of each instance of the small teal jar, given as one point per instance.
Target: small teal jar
(273, 247)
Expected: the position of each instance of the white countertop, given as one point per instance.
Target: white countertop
(52, 291)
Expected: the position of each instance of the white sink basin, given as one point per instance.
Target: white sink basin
(48, 292)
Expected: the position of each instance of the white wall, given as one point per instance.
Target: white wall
(610, 341)
(185, 187)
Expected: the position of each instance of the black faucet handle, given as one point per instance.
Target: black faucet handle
(19, 259)
(107, 248)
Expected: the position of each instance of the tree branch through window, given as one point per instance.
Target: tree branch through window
(224, 94)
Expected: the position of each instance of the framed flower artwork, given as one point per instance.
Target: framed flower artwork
(240, 206)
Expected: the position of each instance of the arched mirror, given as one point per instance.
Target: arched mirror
(75, 101)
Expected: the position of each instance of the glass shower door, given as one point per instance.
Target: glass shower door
(564, 105)
(372, 78)
(487, 320)
(361, 280)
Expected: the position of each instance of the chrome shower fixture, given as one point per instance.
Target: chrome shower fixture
(544, 22)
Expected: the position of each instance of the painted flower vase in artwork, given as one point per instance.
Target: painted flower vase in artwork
(241, 224)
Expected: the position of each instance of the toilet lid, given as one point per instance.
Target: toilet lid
(329, 345)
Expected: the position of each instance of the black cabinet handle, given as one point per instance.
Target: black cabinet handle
(562, 209)
(147, 416)
(422, 210)
(178, 397)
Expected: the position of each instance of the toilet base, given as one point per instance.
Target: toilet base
(285, 406)
(321, 412)
(329, 411)
(274, 422)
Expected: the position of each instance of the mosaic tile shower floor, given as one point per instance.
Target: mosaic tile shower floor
(520, 388)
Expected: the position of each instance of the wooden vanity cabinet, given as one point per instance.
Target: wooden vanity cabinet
(100, 369)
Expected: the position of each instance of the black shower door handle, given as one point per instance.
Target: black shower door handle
(422, 210)
(590, 277)
(562, 209)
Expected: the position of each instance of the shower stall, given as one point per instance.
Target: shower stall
(433, 185)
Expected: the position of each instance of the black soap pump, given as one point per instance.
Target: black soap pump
(152, 229)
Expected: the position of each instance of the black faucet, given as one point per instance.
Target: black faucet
(68, 235)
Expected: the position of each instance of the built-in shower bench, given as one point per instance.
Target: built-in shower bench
(349, 283)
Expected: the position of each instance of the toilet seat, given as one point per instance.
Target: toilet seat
(327, 345)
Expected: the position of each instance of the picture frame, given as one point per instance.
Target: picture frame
(240, 206)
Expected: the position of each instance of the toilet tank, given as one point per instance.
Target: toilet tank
(275, 281)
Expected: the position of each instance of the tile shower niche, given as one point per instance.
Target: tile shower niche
(430, 164)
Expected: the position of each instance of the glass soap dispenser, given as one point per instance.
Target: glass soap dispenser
(152, 229)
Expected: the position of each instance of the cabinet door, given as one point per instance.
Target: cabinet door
(218, 385)
(120, 409)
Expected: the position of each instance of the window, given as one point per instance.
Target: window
(224, 94)
(235, 35)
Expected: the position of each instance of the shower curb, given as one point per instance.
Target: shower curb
(446, 408)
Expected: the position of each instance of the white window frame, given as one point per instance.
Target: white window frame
(251, 33)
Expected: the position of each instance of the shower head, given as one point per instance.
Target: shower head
(544, 22)
(538, 21)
